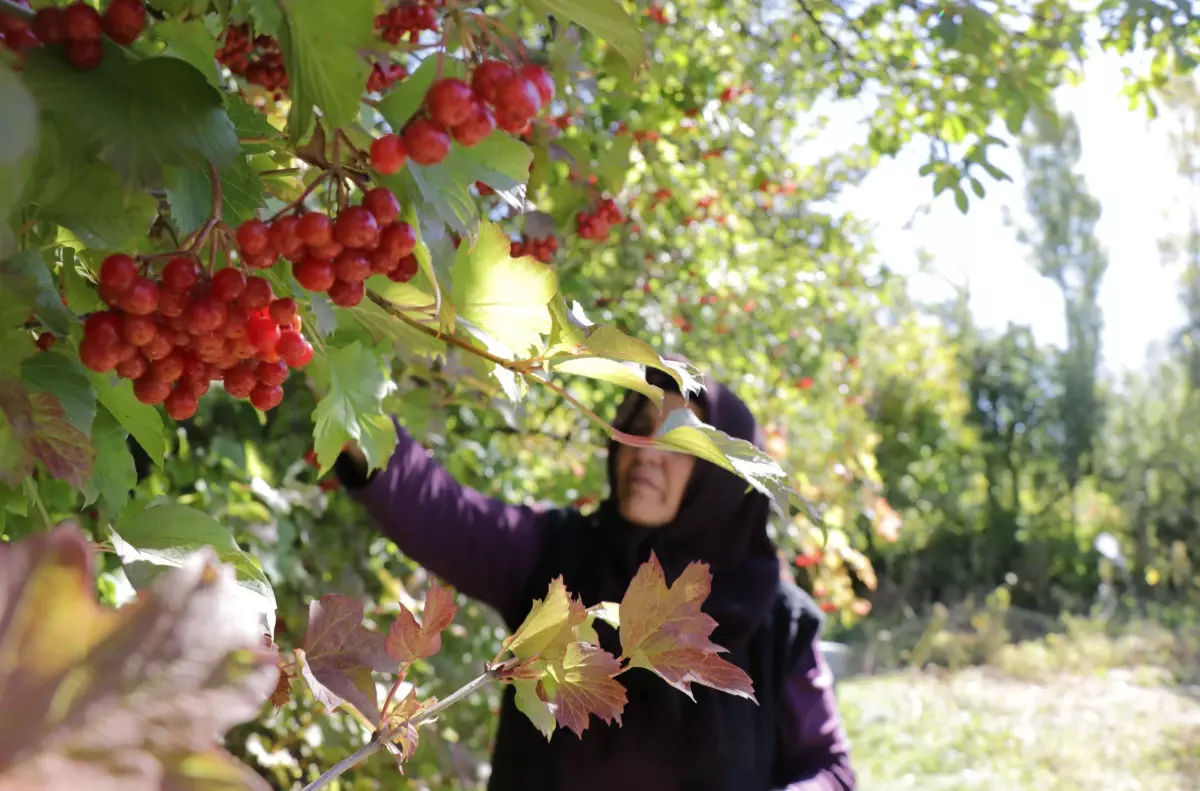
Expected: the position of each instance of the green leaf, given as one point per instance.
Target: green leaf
(960, 198)
(404, 100)
(146, 114)
(140, 420)
(320, 45)
(626, 375)
(507, 298)
(100, 209)
(501, 161)
(164, 536)
(613, 164)
(82, 297)
(20, 289)
(242, 193)
(604, 19)
(114, 473)
(268, 18)
(444, 189)
(189, 40)
(66, 379)
(357, 383)
(19, 121)
(250, 123)
(533, 707)
(48, 306)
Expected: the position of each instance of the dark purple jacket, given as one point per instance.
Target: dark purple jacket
(488, 550)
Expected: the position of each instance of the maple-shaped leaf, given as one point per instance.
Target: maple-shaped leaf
(37, 429)
(407, 640)
(129, 699)
(550, 625)
(664, 630)
(584, 684)
(339, 654)
(404, 738)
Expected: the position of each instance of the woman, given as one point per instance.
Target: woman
(682, 509)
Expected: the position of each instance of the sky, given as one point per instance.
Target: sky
(1128, 167)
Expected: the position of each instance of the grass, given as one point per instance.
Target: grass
(1071, 712)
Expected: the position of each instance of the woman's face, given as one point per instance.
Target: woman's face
(651, 481)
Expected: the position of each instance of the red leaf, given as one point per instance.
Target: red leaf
(339, 654)
(407, 640)
(16, 423)
(585, 686)
(664, 630)
(65, 450)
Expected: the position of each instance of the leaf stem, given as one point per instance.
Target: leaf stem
(471, 687)
(392, 692)
(32, 493)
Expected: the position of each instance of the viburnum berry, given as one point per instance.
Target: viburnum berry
(352, 266)
(398, 239)
(282, 310)
(347, 294)
(150, 390)
(169, 368)
(104, 328)
(357, 227)
(50, 25)
(158, 348)
(138, 330)
(487, 78)
(518, 97)
(285, 237)
(84, 55)
(141, 298)
(117, 273)
(97, 356)
(272, 373)
(449, 101)
(262, 332)
(382, 261)
(256, 295)
(172, 304)
(406, 270)
(291, 347)
(315, 229)
(388, 154)
(180, 274)
(476, 127)
(236, 322)
(253, 237)
(45, 340)
(327, 251)
(240, 380)
(426, 141)
(382, 203)
(542, 80)
(228, 284)
(124, 20)
(264, 260)
(266, 397)
(81, 22)
(133, 368)
(304, 358)
(315, 274)
(204, 315)
(181, 404)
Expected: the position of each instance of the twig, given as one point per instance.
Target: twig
(392, 692)
(346, 764)
(398, 311)
(303, 196)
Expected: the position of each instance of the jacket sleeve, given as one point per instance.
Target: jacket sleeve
(482, 546)
(813, 746)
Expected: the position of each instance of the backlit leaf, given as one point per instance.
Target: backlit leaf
(142, 421)
(585, 686)
(352, 407)
(339, 654)
(605, 19)
(114, 473)
(67, 380)
(320, 43)
(408, 640)
(537, 710)
(548, 627)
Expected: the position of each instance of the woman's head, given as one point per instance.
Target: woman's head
(650, 482)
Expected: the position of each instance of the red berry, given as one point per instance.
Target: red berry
(138, 330)
(124, 20)
(104, 328)
(382, 261)
(82, 23)
(541, 80)
(285, 237)
(236, 321)
(382, 203)
(514, 124)
(304, 359)
(398, 239)
(84, 55)
(315, 274)
(388, 154)
(50, 25)
(449, 101)
(357, 227)
(406, 270)
(158, 348)
(257, 294)
(310, 457)
(262, 332)
(169, 368)
(266, 397)
(476, 127)
(204, 315)
(133, 368)
(181, 403)
(347, 294)
(282, 310)
(293, 323)
(172, 304)
(315, 229)
(228, 284)
(99, 357)
(45, 340)
(426, 141)
(117, 273)
(291, 346)
(264, 260)
(327, 251)
(487, 78)
(518, 97)
(240, 380)
(272, 374)
(209, 346)
(142, 297)
(181, 274)
(150, 390)
(352, 266)
(253, 237)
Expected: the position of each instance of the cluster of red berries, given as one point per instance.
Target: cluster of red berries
(384, 75)
(497, 96)
(408, 19)
(79, 28)
(541, 249)
(337, 256)
(595, 224)
(177, 333)
(258, 60)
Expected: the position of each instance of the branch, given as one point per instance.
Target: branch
(347, 763)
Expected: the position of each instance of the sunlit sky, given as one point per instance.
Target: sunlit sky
(1128, 167)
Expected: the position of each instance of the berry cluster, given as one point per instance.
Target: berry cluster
(497, 96)
(595, 225)
(384, 75)
(258, 60)
(176, 334)
(337, 256)
(79, 28)
(541, 249)
(408, 19)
